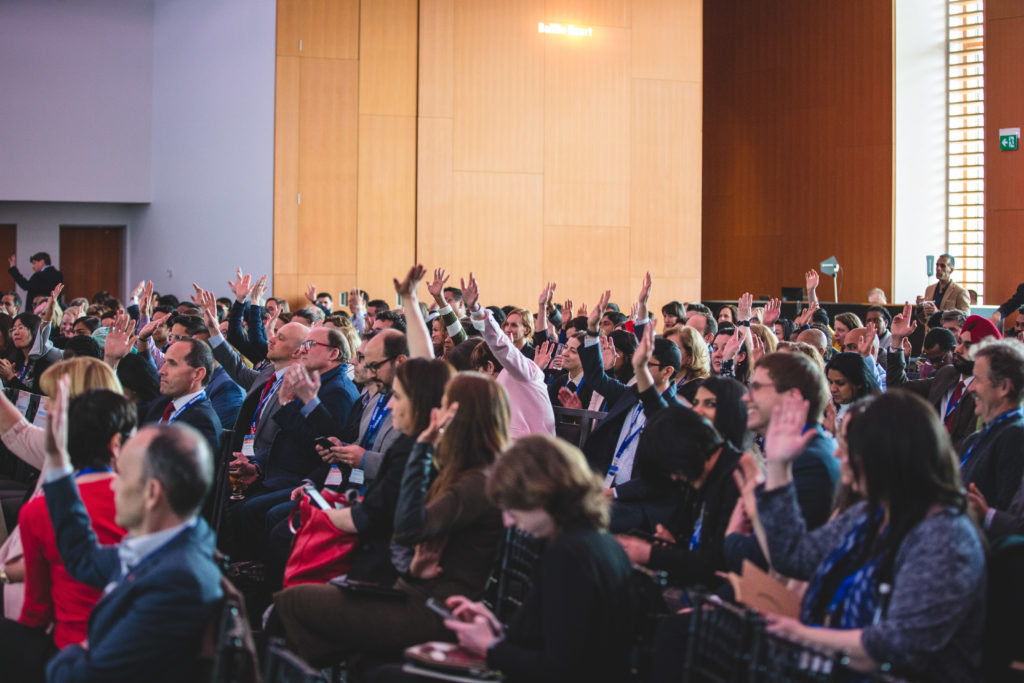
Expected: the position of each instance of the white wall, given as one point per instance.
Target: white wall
(920, 177)
(213, 145)
(76, 109)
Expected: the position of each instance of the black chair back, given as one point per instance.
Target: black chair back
(722, 642)
(519, 558)
(575, 424)
(284, 666)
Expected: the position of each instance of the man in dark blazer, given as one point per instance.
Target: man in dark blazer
(161, 585)
(44, 277)
(187, 368)
(949, 388)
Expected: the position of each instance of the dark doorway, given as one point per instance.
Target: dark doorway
(8, 246)
(90, 258)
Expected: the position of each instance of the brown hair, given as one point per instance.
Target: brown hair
(690, 340)
(767, 337)
(804, 348)
(527, 319)
(423, 381)
(796, 371)
(478, 432)
(86, 373)
(851, 320)
(539, 471)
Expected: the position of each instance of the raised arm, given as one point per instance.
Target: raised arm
(416, 332)
(511, 358)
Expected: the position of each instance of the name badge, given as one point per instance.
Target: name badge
(248, 448)
(356, 477)
(334, 477)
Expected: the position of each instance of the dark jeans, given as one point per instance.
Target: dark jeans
(24, 652)
(245, 523)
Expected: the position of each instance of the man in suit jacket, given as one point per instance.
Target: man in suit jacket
(187, 368)
(945, 294)
(948, 389)
(161, 585)
(44, 277)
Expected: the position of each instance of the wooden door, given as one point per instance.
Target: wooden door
(90, 258)
(8, 246)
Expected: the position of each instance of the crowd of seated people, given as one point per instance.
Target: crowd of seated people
(868, 477)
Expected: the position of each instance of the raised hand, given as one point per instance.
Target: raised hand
(146, 302)
(644, 349)
(268, 326)
(197, 295)
(772, 311)
(867, 340)
(134, 296)
(258, 290)
(758, 351)
(439, 420)
(644, 296)
(355, 300)
(543, 353)
(807, 315)
(436, 286)
(786, 439)
(735, 343)
(745, 306)
(545, 296)
(208, 304)
(120, 338)
(581, 312)
(311, 292)
(12, 261)
(407, 287)
(148, 329)
(57, 427)
(470, 292)
(594, 318)
(811, 280)
(903, 324)
(241, 286)
(566, 313)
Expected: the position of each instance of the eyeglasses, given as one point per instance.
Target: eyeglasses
(309, 343)
(374, 367)
(178, 337)
(757, 386)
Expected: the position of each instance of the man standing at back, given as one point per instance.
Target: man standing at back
(44, 276)
(945, 294)
(160, 584)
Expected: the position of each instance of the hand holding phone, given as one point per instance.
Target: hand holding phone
(437, 607)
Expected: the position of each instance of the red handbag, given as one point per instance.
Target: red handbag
(321, 550)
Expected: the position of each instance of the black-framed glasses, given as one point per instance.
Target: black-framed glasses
(310, 343)
(374, 367)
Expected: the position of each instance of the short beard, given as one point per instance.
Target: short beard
(963, 366)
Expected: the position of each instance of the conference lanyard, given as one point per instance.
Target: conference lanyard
(263, 399)
(580, 385)
(93, 470)
(633, 433)
(177, 413)
(1017, 412)
(376, 420)
(950, 406)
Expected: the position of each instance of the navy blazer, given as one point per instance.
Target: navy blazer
(200, 415)
(293, 455)
(226, 396)
(149, 624)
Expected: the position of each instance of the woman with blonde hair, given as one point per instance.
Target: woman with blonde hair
(28, 442)
(696, 365)
(443, 513)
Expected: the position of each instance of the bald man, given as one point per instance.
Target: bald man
(816, 338)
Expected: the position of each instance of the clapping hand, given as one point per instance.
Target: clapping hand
(569, 399)
(439, 419)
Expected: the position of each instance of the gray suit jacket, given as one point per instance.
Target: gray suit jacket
(253, 382)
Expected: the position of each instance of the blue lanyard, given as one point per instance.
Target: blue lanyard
(950, 406)
(1016, 412)
(93, 470)
(23, 372)
(177, 413)
(633, 433)
(263, 401)
(376, 420)
(580, 385)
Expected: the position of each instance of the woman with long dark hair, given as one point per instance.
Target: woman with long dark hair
(720, 400)
(33, 353)
(851, 376)
(443, 513)
(900, 577)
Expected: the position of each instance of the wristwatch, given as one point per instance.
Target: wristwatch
(4, 579)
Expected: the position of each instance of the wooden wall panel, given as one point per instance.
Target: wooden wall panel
(665, 170)
(1004, 171)
(588, 13)
(667, 40)
(797, 161)
(497, 233)
(327, 170)
(326, 28)
(286, 166)
(498, 86)
(387, 57)
(583, 279)
(436, 58)
(434, 195)
(586, 129)
(387, 200)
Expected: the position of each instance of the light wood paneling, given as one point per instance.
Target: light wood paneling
(327, 28)
(586, 129)
(583, 278)
(588, 13)
(665, 189)
(497, 234)
(387, 57)
(436, 59)
(286, 165)
(499, 86)
(435, 212)
(667, 40)
(327, 170)
(387, 200)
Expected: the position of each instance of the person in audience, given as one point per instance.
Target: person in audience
(81, 346)
(728, 314)
(816, 339)
(28, 443)
(937, 351)
(455, 530)
(843, 324)
(389, 320)
(34, 354)
(453, 297)
(577, 620)
(696, 360)
(705, 324)
(898, 579)
(720, 401)
(161, 582)
(879, 316)
(514, 371)
(850, 377)
(373, 307)
(876, 295)
(947, 388)
(571, 377)
(139, 379)
(953, 321)
(945, 294)
(672, 314)
(44, 276)
(8, 351)
(731, 352)
(10, 304)
(783, 329)
(98, 423)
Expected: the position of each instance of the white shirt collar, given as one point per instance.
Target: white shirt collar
(182, 401)
(134, 549)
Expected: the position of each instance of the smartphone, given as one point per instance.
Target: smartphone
(323, 442)
(438, 607)
(315, 496)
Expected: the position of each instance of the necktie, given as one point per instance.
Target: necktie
(168, 411)
(953, 401)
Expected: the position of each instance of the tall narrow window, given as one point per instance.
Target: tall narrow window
(965, 229)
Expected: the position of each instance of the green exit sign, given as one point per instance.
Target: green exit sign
(1009, 139)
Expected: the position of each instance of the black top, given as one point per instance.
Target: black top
(576, 622)
(40, 284)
